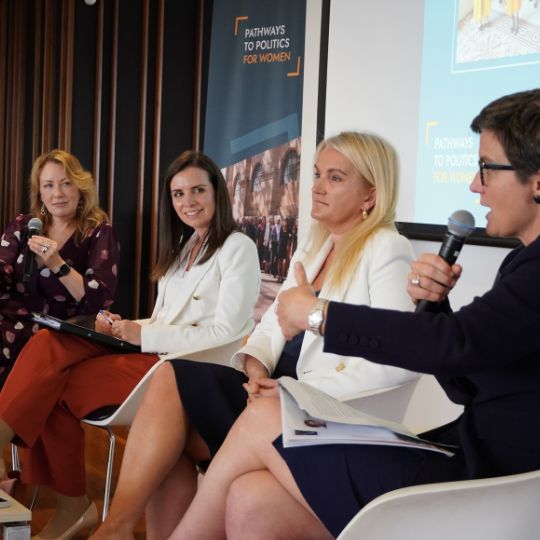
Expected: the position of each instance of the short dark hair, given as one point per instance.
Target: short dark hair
(174, 233)
(515, 121)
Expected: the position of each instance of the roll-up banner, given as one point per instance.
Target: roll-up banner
(254, 117)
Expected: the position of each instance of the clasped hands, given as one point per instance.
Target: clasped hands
(120, 328)
(259, 383)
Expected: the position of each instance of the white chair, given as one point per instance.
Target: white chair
(123, 415)
(502, 508)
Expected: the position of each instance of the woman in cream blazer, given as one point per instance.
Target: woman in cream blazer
(377, 282)
(208, 285)
(212, 312)
(354, 253)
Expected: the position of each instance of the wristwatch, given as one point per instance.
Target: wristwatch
(64, 270)
(316, 316)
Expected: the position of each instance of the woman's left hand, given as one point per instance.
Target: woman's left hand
(127, 330)
(46, 249)
(295, 304)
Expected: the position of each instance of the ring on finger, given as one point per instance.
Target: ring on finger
(416, 281)
(44, 249)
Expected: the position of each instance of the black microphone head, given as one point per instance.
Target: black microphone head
(35, 225)
(461, 223)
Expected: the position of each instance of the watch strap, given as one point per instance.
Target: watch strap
(316, 316)
(64, 270)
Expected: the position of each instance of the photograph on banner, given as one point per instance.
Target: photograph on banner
(264, 191)
(252, 124)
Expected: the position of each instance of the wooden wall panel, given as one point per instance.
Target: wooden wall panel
(115, 84)
(96, 161)
(37, 80)
(66, 75)
(49, 81)
(145, 38)
(112, 109)
(15, 105)
(3, 88)
(156, 150)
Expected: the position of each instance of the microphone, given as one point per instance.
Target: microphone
(460, 226)
(34, 227)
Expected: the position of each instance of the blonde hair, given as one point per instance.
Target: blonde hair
(376, 162)
(89, 215)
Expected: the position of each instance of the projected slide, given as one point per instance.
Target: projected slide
(474, 51)
(417, 72)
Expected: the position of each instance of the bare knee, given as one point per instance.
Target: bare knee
(164, 375)
(262, 412)
(163, 383)
(244, 505)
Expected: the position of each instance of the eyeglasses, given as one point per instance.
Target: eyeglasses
(482, 165)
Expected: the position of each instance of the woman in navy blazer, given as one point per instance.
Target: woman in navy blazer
(486, 356)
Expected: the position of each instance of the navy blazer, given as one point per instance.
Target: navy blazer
(486, 356)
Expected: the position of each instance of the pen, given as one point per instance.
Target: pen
(103, 314)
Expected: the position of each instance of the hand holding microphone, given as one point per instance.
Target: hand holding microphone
(433, 276)
(34, 228)
(45, 248)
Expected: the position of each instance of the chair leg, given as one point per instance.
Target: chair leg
(108, 474)
(15, 463)
(34, 498)
(16, 468)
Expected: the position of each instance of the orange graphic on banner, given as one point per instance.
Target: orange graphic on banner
(297, 72)
(236, 21)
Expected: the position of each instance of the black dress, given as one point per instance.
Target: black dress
(213, 396)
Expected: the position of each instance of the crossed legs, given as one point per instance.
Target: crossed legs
(158, 469)
(248, 491)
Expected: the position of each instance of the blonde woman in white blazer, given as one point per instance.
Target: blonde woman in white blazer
(353, 253)
(378, 282)
(208, 285)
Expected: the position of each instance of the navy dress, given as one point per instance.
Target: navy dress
(213, 396)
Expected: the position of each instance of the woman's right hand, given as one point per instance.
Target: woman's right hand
(103, 325)
(432, 278)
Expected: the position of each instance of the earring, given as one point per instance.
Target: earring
(536, 199)
(43, 210)
(364, 214)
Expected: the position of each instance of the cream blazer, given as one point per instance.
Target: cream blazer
(379, 281)
(214, 312)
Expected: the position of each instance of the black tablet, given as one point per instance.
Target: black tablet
(87, 333)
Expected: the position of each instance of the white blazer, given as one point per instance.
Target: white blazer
(215, 308)
(379, 281)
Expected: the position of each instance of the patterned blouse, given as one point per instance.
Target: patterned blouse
(96, 258)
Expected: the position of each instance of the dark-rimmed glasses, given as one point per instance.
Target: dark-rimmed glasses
(482, 165)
